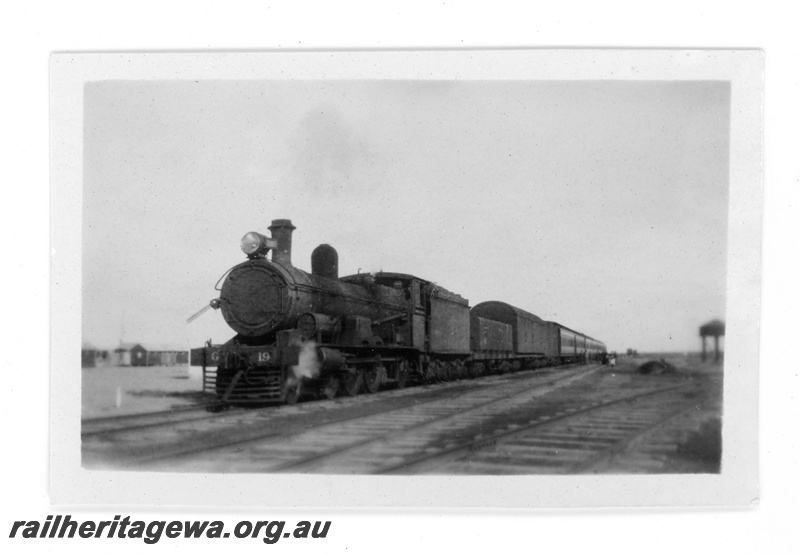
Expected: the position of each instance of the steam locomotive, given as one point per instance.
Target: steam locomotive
(304, 333)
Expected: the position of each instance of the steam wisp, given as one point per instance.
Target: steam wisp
(308, 363)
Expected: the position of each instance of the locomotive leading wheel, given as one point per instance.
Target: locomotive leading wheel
(293, 390)
(372, 378)
(352, 383)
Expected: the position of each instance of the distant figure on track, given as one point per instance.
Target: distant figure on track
(612, 360)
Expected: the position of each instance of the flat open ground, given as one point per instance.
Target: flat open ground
(110, 391)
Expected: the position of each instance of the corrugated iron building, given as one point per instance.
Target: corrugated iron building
(159, 354)
(142, 355)
(91, 356)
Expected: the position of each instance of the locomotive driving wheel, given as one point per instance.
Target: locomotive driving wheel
(401, 377)
(372, 377)
(331, 387)
(351, 382)
(432, 372)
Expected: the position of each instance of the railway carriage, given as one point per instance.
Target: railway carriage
(567, 343)
(532, 343)
(570, 344)
(490, 341)
(574, 346)
(595, 349)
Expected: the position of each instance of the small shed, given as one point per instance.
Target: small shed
(138, 355)
(91, 356)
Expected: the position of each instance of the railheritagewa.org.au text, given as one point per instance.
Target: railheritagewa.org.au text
(64, 527)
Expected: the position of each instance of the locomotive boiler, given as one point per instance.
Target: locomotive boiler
(260, 297)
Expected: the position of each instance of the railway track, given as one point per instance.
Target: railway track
(423, 448)
(134, 422)
(576, 439)
(580, 420)
(364, 443)
(169, 443)
(571, 428)
(690, 442)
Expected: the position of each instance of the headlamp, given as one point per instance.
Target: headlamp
(256, 245)
(251, 243)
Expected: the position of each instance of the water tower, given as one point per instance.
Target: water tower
(716, 329)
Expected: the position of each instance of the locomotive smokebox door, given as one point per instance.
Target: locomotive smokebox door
(254, 298)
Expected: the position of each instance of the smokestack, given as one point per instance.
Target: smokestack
(325, 261)
(282, 232)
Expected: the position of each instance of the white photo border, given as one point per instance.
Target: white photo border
(70, 484)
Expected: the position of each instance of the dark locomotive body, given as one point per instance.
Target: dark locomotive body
(301, 332)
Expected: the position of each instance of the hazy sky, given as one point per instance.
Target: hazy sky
(601, 205)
